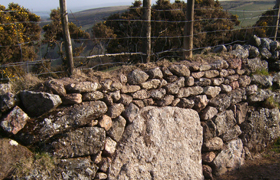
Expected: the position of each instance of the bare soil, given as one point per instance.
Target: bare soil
(263, 166)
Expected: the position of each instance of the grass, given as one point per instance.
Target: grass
(262, 72)
(41, 161)
(276, 146)
(255, 8)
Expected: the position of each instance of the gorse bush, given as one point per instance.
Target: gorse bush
(168, 20)
(19, 31)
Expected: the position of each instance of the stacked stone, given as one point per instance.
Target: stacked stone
(83, 122)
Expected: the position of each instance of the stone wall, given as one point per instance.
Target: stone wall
(101, 129)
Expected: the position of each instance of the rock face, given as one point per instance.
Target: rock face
(10, 153)
(38, 103)
(80, 143)
(151, 147)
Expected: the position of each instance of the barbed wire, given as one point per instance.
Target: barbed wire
(99, 48)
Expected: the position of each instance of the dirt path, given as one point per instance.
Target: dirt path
(265, 166)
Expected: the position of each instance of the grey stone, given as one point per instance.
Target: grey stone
(198, 75)
(174, 88)
(207, 172)
(59, 121)
(56, 86)
(244, 81)
(152, 84)
(218, 81)
(130, 89)
(256, 41)
(252, 89)
(257, 64)
(232, 133)
(204, 67)
(101, 176)
(208, 157)
(166, 72)
(142, 94)
(5, 88)
(209, 130)
(155, 73)
(123, 78)
(220, 48)
(167, 100)
(180, 70)
(208, 113)
(200, 102)
(261, 128)
(116, 96)
(105, 122)
(186, 103)
(189, 81)
(8, 101)
(171, 79)
(158, 94)
(131, 112)
(233, 78)
(125, 99)
(109, 147)
(221, 102)
(14, 121)
(137, 77)
(115, 110)
(235, 63)
(274, 45)
(82, 87)
(116, 86)
(229, 159)
(265, 43)
(77, 168)
(265, 53)
(212, 91)
(213, 144)
(240, 53)
(259, 96)
(264, 81)
(81, 142)
(104, 164)
(226, 88)
(253, 52)
(93, 96)
(212, 73)
(117, 129)
(190, 91)
(141, 156)
(38, 103)
(74, 98)
(139, 103)
(224, 73)
(240, 112)
(224, 122)
(203, 82)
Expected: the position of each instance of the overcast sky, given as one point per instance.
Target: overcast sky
(74, 5)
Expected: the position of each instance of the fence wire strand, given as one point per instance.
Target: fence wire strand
(98, 56)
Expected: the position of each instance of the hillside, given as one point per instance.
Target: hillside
(248, 11)
(88, 17)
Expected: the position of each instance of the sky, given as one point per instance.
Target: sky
(74, 5)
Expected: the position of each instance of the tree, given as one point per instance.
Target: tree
(19, 31)
(54, 35)
(168, 21)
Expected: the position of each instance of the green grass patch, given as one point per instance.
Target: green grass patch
(262, 72)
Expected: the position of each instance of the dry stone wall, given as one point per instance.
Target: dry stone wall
(174, 121)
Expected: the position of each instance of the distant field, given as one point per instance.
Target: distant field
(255, 8)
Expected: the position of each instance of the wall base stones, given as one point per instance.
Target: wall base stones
(157, 142)
(150, 124)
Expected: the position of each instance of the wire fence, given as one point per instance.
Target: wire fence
(125, 44)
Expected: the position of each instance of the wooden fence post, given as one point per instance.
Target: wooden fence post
(277, 6)
(188, 30)
(147, 30)
(66, 35)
